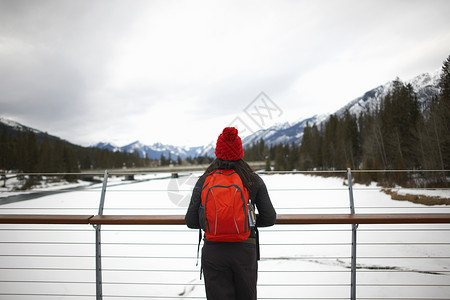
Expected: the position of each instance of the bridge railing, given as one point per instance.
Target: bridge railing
(149, 259)
(400, 256)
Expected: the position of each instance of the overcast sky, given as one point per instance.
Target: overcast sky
(177, 72)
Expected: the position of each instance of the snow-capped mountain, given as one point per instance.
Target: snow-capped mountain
(13, 127)
(280, 133)
(425, 85)
(108, 146)
(155, 150)
(16, 125)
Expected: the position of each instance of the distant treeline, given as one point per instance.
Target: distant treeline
(26, 151)
(397, 135)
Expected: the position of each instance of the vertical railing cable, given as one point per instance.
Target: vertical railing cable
(98, 243)
(354, 227)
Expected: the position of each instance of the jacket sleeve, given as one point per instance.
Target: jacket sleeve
(192, 215)
(266, 212)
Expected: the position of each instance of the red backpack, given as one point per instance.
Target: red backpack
(224, 207)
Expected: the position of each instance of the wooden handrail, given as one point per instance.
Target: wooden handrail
(138, 220)
(44, 219)
(411, 218)
(363, 218)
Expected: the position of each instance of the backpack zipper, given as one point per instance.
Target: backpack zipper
(234, 216)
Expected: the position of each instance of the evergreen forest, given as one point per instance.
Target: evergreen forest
(29, 152)
(397, 135)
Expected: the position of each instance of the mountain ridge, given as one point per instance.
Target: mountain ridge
(155, 150)
(13, 127)
(426, 85)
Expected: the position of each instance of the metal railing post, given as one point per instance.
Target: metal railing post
(354, 227)
(102, 198)
(98, 263)
(98, 243)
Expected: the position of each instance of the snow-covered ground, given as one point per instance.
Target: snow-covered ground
(298, 261)
(13, 187)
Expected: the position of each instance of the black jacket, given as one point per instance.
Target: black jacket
(258, 195)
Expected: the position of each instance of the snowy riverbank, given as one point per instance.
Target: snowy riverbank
(298, 261)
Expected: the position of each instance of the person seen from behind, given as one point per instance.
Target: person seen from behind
(222, 205)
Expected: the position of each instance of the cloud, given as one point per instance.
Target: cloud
(174, 71)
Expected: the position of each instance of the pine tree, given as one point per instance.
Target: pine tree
(329, 143)
(280, 163)
(31, 153)
(444, 82)
(306, 149)
(162, 160)
(351, 140)
(6, 153)
(268, 167)
(444, 114)
(45, 156)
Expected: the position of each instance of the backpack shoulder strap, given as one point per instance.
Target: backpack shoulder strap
(198, 247)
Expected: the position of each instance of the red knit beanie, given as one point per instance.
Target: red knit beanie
(229, 145)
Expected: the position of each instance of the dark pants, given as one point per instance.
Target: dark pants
(230, 271)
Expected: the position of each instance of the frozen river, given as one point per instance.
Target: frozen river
(158, 262)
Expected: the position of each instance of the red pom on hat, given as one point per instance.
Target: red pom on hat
(229, 145)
